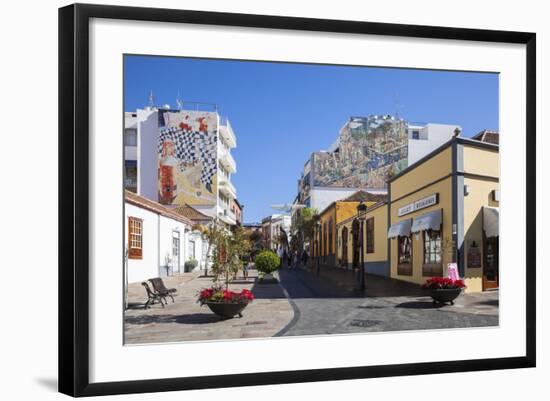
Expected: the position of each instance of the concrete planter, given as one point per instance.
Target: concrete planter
(227, 310)
(443, 296)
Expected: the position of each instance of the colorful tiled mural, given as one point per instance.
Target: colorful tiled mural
(187, 146)
(368, 152)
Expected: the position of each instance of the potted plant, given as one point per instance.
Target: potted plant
(225, 303)
(190, 265)
(267, 262)
(443, 289)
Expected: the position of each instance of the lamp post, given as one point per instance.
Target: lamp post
(361, 216)
(318, 229)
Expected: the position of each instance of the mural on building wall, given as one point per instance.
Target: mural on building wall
(187, 146)
(370, 150)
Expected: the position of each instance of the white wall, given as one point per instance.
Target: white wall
(167, 228)
(431, 137)
(148, 266)
(147, 154)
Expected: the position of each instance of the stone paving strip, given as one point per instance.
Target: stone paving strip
(186, 320)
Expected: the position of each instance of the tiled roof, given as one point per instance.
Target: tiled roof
(191, 213)
(155, 207)
(487, 136)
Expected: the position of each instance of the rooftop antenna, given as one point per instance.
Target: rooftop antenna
(151, 99)
(179, 102)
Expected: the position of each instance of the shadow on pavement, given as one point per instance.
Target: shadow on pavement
(193, 318)
(341, 283)
(267, 291)
(419, 305)
(492, 302)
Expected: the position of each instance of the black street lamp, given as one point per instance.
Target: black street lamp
(361, 216)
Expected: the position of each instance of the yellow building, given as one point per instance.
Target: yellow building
(325, 234)
(375, 247)
(444, 209)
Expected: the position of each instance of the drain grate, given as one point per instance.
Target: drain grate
(364, 323)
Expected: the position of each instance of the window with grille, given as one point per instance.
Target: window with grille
(135, 238)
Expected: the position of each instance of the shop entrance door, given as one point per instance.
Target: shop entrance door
(345, 237)
(490, 265)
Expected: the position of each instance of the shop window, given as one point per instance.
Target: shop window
(404, 256)
(370, 235)
(432, 253)
(135, 238)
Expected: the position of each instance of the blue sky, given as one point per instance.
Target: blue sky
(282, 112)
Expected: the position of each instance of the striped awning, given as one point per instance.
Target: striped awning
(428, 221)
(400, 229)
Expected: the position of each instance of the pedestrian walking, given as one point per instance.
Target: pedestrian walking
(305, 257)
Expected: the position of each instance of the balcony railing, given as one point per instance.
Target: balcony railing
(226, 132)
(228, 189)
(227, 159)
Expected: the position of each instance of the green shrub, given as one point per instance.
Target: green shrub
(191, 264)
(267, 262)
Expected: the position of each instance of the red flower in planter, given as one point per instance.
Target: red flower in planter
(436, 283)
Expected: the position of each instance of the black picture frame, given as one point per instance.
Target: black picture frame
(74, 201)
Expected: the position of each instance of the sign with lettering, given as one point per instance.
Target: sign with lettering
(419, 204)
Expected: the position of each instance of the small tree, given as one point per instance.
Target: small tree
(210, 234)
(228, 249)
(267, 262)
(305, 225)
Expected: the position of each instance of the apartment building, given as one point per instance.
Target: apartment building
(182, 157)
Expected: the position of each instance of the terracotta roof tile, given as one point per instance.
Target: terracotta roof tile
(155, 207)
(191, 213)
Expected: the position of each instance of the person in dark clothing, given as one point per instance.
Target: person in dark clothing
(305, 257)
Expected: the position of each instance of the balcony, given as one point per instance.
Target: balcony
(226, 132)
(227, 159)
(227, 216)
(228, 189)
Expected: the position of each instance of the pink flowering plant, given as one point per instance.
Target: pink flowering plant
(221, 295)
(443, 283)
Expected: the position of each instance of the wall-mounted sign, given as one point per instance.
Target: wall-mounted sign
(419, 204)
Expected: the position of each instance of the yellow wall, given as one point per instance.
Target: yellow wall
(380, 253)
(444, 189)
(481, 161)
(438, 166)
(479, 196)
(338, 212)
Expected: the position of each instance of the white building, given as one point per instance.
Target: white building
(158, 240)
(411, 142)
(424, 138)
(279, 224)
(179, 157)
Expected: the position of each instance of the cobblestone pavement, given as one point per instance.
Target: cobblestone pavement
(186, 320)
(303, 303)
(325, 306)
